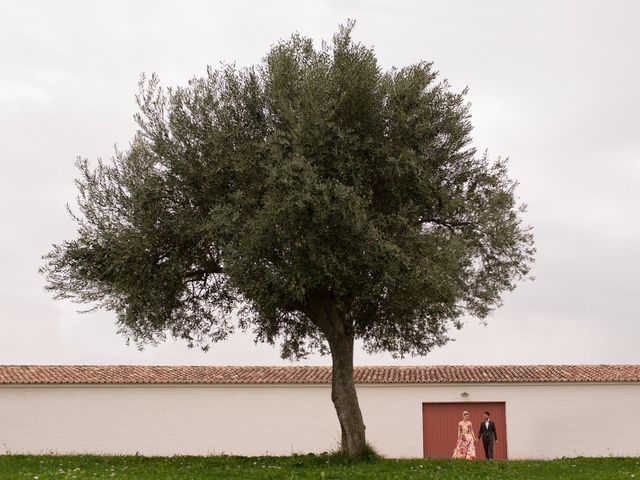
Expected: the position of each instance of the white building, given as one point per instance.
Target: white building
(542, 411)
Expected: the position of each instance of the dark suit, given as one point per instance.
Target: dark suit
(488, 436)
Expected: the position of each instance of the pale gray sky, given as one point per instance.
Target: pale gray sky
(553, 86)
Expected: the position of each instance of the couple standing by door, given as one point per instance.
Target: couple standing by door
(466, 448)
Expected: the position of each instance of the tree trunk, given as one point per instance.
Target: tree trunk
(340, 337)
(345, 398)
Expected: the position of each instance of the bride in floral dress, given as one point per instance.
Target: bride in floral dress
(466, 446)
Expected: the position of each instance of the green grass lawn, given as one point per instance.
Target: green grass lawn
(27, 467)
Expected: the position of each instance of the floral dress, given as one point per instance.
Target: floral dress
(466, 447)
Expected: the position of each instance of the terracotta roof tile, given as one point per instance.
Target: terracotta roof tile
(134, 374)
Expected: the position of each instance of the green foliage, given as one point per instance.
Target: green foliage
(368, 454)
(302, 467)
(313, 178)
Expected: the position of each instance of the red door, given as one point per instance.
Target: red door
(440, 423)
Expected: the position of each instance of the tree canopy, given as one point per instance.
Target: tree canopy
(311, 195)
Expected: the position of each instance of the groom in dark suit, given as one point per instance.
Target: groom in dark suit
(488, 435)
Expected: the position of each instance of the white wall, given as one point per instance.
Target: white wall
(166, 420)
(543, 421)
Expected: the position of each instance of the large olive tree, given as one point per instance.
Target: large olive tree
(313, 199)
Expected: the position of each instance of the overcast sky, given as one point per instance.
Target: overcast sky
(553, 86)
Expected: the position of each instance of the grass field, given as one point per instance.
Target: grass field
(23, 467)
